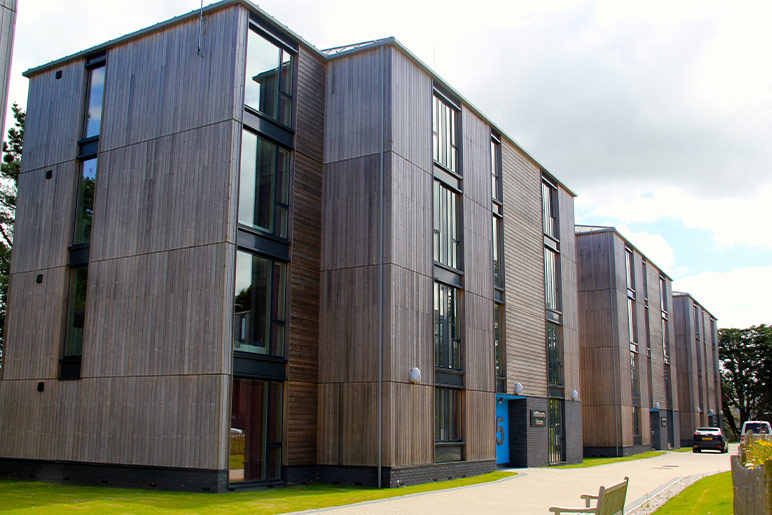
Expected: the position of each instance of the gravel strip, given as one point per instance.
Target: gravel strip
(656, 501)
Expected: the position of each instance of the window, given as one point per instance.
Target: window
(636, 425)
(630, 271)
(447, 425)
(445, 133)
(264, 185)
(498, 338)
(495, 168)
(268, 86)
(256, 431)
(554, 355)
(259, 305)
(663, 307)
(665, 346)
(498, 252)
(447, 330)
(76, 312)
(549, 202)
(635, 382)
(92, 123)
(645, 274)
(663, 294)
(551, 279)
(632, 323)
(696, 323)
(84, 210)
(447, 227)
(647, 329)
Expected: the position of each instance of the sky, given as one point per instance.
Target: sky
(657, 114)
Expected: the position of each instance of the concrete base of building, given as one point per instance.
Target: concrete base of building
(391, 477)
(613, 452)
(114, 475)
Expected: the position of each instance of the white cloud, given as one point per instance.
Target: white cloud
(653, 246)
(737, 298)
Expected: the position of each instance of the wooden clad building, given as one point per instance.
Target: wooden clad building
(699, 379)
(7, 31)
(628, 355)
(241, 261)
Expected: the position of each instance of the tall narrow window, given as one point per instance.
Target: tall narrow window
(447, 425)
(76, 312)
(557, 431)
(259, 305)
(495, 168)
(630, 270)
(264, 185)
(632, 322)
(554, 355)
(84, 210)
(498, 338)
(549, 200)
(447, 227)
(664, 313)
(268, 87)
(498, 252)
(551, 279)
(445, 133)
(92, 123)
(447, 330)
(256, 431)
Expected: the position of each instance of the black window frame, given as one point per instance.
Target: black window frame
(550, 209)
(448, 430)
(446, 199)
(448, 336)
(446, 141)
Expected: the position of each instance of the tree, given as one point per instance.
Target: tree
(746, 373)
(9, 178)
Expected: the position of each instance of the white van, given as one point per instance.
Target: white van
(760, 427)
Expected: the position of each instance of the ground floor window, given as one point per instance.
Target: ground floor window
(448, 441)
(256, 430)
(557, 431)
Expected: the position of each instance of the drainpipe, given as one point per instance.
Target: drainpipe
(380, 277)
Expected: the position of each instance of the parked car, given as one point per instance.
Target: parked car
(760, 427)
(709, 438)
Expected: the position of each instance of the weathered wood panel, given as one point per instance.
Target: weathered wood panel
(478, 249)
(479, 425)
(159, 314)
(179, 188)
(526, 356)
(411, 112)
(601, 426)
(45, 216)
(54, 116)
(115, 420)
(348, 424)
(569, 295)
(409, 233)
(35, 324)
(476, 155)
(356, 99)
(160, 84)
(478, 343)
(408, 410)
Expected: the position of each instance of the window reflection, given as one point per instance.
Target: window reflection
(268, 87)
(76, 312)
(259, 305)
(85, 202)
(256, 429)
(96, 87)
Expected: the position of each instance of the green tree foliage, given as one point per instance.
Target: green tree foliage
(9, 177)
(746, 374)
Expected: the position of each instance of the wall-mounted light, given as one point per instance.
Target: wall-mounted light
(415, 375)
(518, 388)
(656, 405)
(710, 411)
(574, 395)
(699, 410)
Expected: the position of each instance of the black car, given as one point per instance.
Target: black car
(709, 438)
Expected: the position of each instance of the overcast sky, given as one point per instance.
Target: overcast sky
(658, 114)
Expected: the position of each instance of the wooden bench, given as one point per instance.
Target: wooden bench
(610, 501)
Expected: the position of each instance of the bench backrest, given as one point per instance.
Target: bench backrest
(611, 500)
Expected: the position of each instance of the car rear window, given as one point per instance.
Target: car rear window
(755, 427)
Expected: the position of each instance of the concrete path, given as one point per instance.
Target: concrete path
(534, 490)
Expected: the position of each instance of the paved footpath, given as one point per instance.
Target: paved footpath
(534, 490)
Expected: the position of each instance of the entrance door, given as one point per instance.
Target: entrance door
(502, 430)
(557, 432)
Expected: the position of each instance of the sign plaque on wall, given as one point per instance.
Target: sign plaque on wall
(538, 418)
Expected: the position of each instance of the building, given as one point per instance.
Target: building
(699, 380)
(626, 340)
(7, 30)
(241, 261)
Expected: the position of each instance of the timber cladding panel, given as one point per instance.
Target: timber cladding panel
(44, 214)
(479, 425)
(409, 234)
(411, 112)
(54, 115)
(34, 324)
(304, 277)
(526, 356)
(347, 424)
(568, 276)
(478, 344)
(160, 84)
(70, 421)
(408, 424)
(168, 193)
(159, 313)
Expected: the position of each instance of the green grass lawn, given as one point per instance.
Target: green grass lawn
(594, 462)
(711, 495)
(36, 497)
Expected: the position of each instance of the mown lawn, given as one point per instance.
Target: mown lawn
(711, 495)
(36, 497)
(594, 462)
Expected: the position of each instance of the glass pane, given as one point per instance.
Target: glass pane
(95, 96)
(498, 344)
(554, 355)
(85, 203)
(552, 295)
(247, 178)
(76, 312)
(261, 89)
(260, 287)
